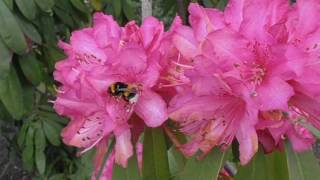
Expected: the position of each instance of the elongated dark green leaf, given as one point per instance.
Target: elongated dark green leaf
(53, 55)
(129, 173)
(155, 157)
(45, 5)
(206, 169)
(52, 117)
(129, 9)
(47, 28)
(31, 68)
(176, 161)
(28, 98)
(11, 94)
(40, 144)
(64, 17)
(52, 132)
(222, 4)
(10, 30)
(9, 3)
(22, 135)
(302, 166)
(5, 57)
(80, 6)
(265, 167)
(27, 8)
(116, 4)
(29, 30)
(28, 151)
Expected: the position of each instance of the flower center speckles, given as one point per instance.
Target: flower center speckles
(252, 73)
(175, 75)
(88, 59)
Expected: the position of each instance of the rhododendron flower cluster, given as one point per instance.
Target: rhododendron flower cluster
(101, 57)
(249, 73)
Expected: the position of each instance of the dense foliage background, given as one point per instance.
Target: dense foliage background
(30, 145)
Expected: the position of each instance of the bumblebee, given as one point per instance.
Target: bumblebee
(127, 92)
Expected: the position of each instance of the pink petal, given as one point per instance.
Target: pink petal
(248, 143)
(227, 45)
(151, 108)
(151, 30)
(305, 10)
(234, 13)
(185, 41)
(83, 42)
(132, 60)
(266, 13)
(106, 31)
(123, 148)
(204, 20)
(274, 94)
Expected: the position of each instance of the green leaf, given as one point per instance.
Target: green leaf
(80, 6)
(28, 98)
(129, 9)
(131, 172)
(11, 94)
(29, 30)
(205, 169)
(64, 16)
(57, 177)
(22, 135)
(52, 117)
(116, 4)
(27, 8)
(97, 5)
(5, 57)
(47, 27)
(9, 3)
(265, 167)
(303, 165)
(40, 140)
(176, 161)
(28, 151)
(53, 55)
(52, 132)
(10, 30)
(155, 157)
(45, 5)
(222, 4)
(40, 144)
(31, 68)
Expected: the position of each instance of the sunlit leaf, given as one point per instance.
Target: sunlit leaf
(155, 157)
(265, 167)
(303, 165)
(129, 173)
(205, 169)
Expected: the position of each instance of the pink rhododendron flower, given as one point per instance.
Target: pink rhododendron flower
(242, 66)
(108, 76)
